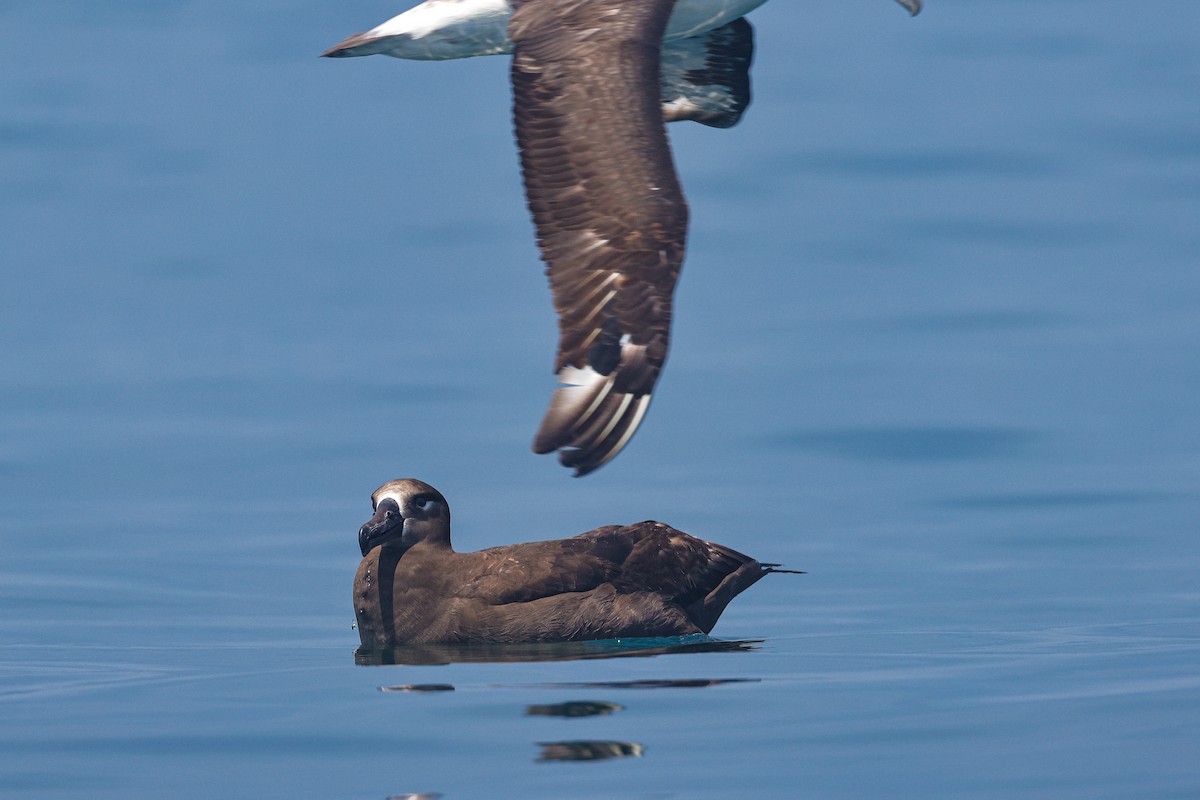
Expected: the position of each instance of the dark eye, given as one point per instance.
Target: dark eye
(422, 502)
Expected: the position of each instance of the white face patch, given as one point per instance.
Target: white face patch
(381, 496)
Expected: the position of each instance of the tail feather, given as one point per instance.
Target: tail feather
(705, 613)
(776, 568)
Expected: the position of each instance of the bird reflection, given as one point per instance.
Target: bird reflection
(418, 687)
(588, 750)
(427, 654)
(574, 708)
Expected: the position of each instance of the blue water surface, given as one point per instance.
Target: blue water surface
(936, 343)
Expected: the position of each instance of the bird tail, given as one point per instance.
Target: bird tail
(777, 568)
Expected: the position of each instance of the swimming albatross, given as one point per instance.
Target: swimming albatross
(593, 82)
(646, 579)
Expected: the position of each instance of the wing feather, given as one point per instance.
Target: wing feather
(706, 77)
(611, 218)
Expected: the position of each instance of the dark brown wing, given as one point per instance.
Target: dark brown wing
(610, 216)
(674, 563)
(698, 576)
(520, 573)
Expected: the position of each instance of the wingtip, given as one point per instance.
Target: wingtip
(345, 48)
(587, 422)
(913, 6)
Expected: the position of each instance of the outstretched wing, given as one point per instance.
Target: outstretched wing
(610, 215)
(706, 77)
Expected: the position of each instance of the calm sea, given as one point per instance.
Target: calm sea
(936, 343)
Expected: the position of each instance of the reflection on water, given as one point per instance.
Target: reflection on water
(429, 654)
(658, 683)
(420, 796)
(574, 708)
(588, 750)
(418, 687)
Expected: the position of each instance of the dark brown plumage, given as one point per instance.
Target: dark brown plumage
(610, 215)
(646, 579)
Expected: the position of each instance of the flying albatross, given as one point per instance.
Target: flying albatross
(593, 83)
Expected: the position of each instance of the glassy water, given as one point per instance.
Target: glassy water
(936, 344)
